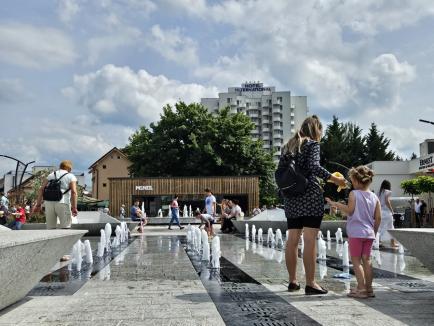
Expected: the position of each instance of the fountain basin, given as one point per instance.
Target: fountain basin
(420, 243)
(325, 225)
(92, 229)
(26, 256)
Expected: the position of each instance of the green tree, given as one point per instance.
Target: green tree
(425, 184)
(410, 187)
(377, 146)
(189, 141)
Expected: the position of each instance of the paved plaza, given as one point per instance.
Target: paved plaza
(158, 280)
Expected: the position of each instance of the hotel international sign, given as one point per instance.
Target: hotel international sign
(252, 87)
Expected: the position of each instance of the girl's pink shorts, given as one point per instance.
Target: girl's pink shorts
(360, 247)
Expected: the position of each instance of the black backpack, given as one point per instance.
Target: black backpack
(289, 178)
(52, 191)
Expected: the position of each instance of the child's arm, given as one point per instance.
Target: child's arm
(347, 209)
(377, 217)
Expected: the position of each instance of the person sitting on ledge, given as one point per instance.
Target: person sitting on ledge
(20, 218)
(206, 219)
(136, 214)
(235, 212)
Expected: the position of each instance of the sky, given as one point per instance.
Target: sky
(78, 77)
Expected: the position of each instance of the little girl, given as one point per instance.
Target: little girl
(364, 217)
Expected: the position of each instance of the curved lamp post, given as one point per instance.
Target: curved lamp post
(17, 185)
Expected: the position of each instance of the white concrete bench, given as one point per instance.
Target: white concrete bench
(27, 256)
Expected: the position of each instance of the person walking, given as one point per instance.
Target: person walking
(418, 212)
(305, 212)
(59, 194)
(364, 218)
(4, 201)
(122, 212)
(210, 203)
(174, 210)
(386, 214)
(423, 213)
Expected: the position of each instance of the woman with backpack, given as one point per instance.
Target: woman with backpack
(304, 211)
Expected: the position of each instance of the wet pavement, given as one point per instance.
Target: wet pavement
(157, 280)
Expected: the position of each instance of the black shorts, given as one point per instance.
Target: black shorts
(313, 222)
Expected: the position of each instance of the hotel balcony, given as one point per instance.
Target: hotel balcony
(277, 118)
(266, 146)
(277, 109)
(277, 142)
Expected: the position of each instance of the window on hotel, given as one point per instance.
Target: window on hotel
(229, 100)
(104, 166)
(119, 157)
(104, 185)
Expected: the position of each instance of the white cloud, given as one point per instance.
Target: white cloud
(119, 36)
(231, 71)
(119, 95)
(12, 90)
(67, 10)
(379, 86)
(35, 47)
(172, 45)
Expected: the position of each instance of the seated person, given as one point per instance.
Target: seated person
(3, 214)
(136, 214)
(206, 219)
(235, 212)
(20, 218)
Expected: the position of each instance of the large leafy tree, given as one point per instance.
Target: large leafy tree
(377, 146)
(190, 141)
(344, 146)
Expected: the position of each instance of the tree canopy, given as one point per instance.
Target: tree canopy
(190, 141)
(344, 146)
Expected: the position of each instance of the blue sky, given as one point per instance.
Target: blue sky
(77, 77)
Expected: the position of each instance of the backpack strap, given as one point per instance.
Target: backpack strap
(59, 180)
(61, 176)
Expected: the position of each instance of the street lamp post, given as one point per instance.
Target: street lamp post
(426, 121)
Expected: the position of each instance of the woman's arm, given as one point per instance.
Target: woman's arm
(313, 165)
(347, 209)
(388, 204)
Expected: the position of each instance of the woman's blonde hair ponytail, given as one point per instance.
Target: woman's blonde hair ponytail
(311, 128)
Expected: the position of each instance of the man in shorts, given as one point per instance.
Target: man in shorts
(66, 207)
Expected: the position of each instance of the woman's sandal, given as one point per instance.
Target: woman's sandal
(358, 294)
(370, 293)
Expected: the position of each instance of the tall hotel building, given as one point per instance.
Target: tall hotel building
(276, 115)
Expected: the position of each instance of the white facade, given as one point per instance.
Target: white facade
(276, 115)
(398, 171)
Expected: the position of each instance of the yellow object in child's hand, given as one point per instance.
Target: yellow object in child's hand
(339, 175)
